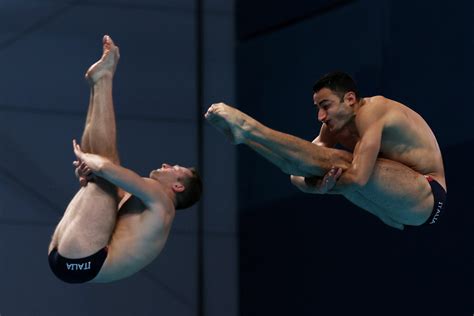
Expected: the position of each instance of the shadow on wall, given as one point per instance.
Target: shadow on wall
(320, 255)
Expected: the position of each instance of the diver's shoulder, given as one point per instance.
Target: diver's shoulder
(377, 100)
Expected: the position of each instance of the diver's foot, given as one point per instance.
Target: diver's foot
(228, 120)
(106, 65)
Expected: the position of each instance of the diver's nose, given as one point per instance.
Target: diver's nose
(322, 116)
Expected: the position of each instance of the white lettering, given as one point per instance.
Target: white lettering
(78, 266)
(438, 211)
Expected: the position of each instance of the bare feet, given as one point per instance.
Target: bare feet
(228, 120)
(106, 65)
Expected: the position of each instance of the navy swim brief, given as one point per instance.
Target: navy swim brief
(439, 206)
(77, 270)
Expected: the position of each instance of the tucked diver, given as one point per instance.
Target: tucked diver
(393, 167)
(118, 222)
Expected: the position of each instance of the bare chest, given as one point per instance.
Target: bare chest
(347, 139)
(150, 225)
(141, 229)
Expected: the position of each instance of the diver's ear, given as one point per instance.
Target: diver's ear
(178, 187)
(350, 98)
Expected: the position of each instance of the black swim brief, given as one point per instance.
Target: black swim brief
(77, 270)
(439, 206)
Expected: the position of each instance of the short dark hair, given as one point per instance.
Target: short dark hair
(192, 190)
(339, 82)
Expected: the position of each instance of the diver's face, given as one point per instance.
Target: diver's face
(333, 111)
(170, 173)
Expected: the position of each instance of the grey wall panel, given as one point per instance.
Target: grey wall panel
(159, 4)
(220, 163)
(185, 221)
(221, 281)
(219, 58)
(157, 53)
(221, 259)
(38, 152)
(220, 191)
(145, 145)
(162, 5)
(226, 7)
(175, 269)
(16, 17)
(20, 204)
(19, 5)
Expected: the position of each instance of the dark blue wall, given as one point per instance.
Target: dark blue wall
(320, 255)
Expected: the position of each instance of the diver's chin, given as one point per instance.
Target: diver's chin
(153, 174)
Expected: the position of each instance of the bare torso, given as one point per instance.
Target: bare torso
(139, 236)
(135, 233)
(406, 137)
